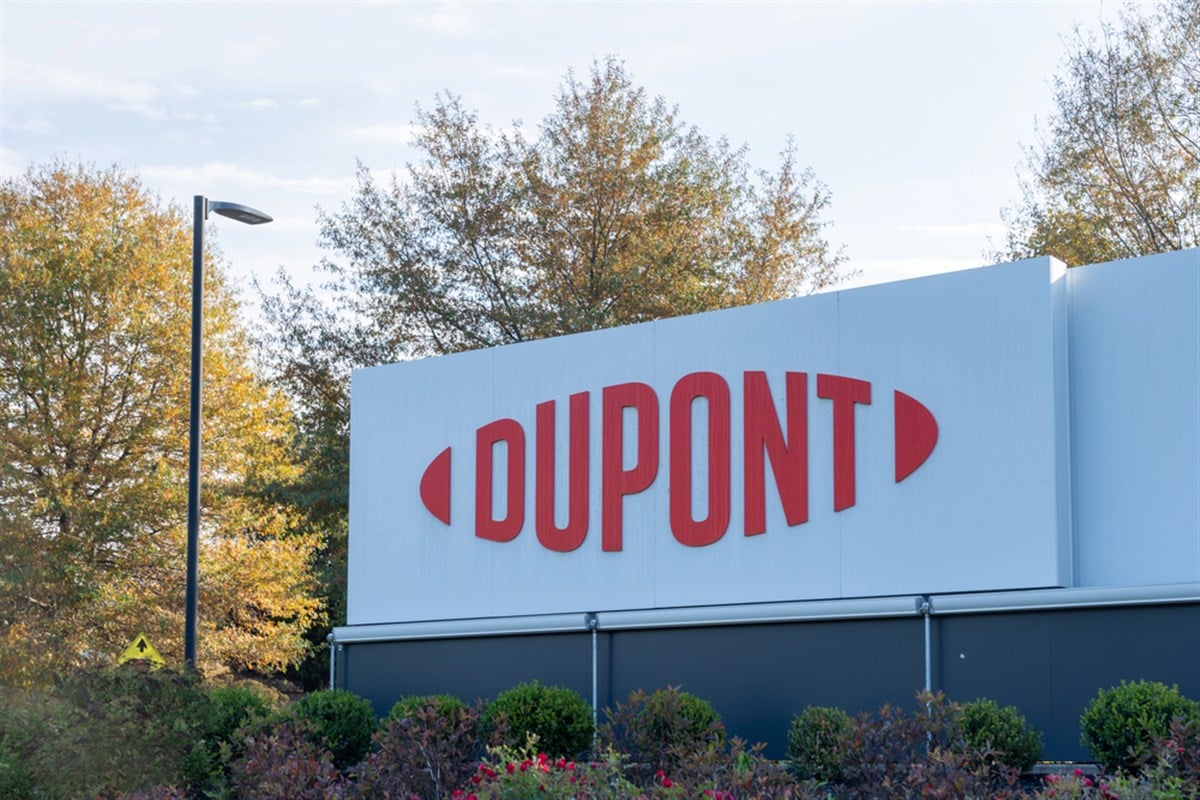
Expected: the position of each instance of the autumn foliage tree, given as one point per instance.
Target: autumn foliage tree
(614, 211)
(1116, 172)
(94, 357)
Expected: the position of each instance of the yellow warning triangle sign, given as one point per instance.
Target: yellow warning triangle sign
(140, 649)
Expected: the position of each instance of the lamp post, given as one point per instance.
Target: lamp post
(202, 205)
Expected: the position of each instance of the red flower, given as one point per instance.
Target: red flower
(475, 779)
(570, 766)
(571, 779)
(1078, 772)
(472, 797)
(561, 763)
(667, 783)
(510, 767)
(543, 758)
(659, 774)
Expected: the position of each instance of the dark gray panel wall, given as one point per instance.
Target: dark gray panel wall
(1047, 663)
(1051, 664)
(469, 668)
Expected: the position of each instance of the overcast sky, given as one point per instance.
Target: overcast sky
(913, 114)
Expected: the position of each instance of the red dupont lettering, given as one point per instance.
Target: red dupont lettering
(629, 458)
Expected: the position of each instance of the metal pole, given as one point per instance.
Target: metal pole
(593, 622)
(332, 659)
(926, 608)
(191, 600)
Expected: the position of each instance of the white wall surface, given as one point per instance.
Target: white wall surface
(983, 350)
(1135, 411)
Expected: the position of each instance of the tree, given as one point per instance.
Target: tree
(1117, 171)
(615, 213)
(94, 358)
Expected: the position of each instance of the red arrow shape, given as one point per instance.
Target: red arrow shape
(916, 435)
(435, 486)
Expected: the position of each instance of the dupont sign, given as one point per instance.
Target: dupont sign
(906, 438)
(765, 437)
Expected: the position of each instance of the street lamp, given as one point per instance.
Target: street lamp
(249, 216)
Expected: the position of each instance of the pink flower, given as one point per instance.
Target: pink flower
(571, 779)
(472, 797)
(1078, 772)
(667, 783)
(570, 766)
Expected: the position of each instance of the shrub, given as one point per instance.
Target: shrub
(1120, 725)
(119, 731)
(559, 717)
(342, 720)
(659, 731)
(986, 726)
(283, 763)
(234, 707)
(816, 742)
(894, 754)
(446, 704)
(525, 774)
(427, 751)
(15, 782)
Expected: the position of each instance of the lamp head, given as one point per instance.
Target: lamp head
(246, 214)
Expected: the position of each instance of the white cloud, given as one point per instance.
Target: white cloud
(305, 101)
(391, 134)
(519, 71)
(974, 229)
(260, 103)
(214, 173)
(36, 127)
(456, 21)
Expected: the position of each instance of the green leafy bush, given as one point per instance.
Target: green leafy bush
(234, 707)
(660, 730)
(986, 726)
(816, 742)
(126, 731)
(1120, 725)
(558, 716)
(15, 781)
(342, 720)
(446, 704)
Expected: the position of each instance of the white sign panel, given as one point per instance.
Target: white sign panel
(904, 438)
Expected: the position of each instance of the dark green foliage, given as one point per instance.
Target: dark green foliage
(15, 781)
(816, 742)
(234, 707)
(283, 763)
(428, 748)
(342, 720)
(984, 725)
(559, 717)
(110, 732)
(1120, 725)
(662, 730)
(446, 704)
